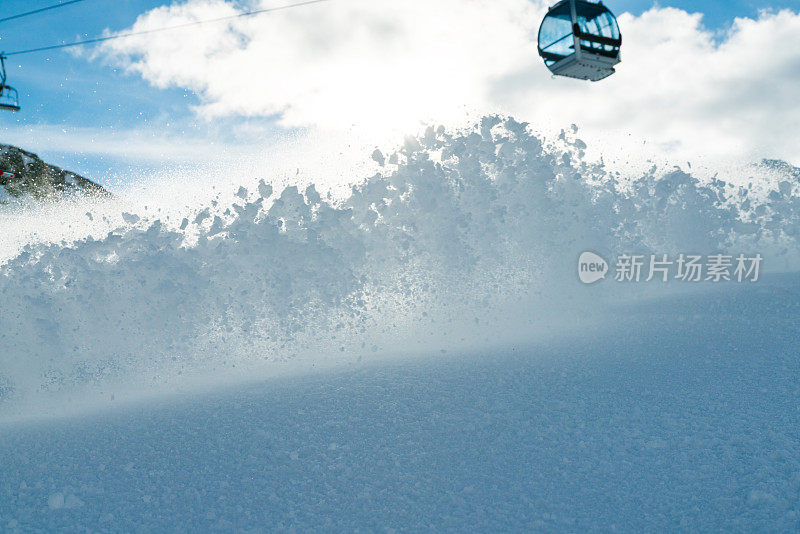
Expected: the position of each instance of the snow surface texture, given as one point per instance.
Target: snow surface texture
(564, 406)
(683, 418)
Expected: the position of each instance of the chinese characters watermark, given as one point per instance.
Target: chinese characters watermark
(663, 268)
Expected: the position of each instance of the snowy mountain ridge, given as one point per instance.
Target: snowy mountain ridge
(24, 176)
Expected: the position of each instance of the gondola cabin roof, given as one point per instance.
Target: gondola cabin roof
(584, 8)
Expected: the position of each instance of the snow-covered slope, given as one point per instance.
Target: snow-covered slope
(418, 353)
(681, 414)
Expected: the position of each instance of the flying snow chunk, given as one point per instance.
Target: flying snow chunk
(130, 218)
(58, 501)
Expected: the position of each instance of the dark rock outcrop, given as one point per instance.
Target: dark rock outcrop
(25, 176)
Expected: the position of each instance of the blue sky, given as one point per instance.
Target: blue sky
(59, 89)
(716, 13)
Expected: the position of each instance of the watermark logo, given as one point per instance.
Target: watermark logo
(663, 268)
(591, 268)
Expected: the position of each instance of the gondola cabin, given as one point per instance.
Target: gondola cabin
(580, 39)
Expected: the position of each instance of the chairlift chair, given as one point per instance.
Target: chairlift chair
(9, 97)
(580, 39)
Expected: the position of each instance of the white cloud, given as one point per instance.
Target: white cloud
(389, 65)
(337, 63)
(132, 145)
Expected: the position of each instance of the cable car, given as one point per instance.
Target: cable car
(580, 39)
(9, 98)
